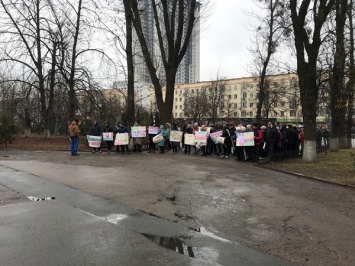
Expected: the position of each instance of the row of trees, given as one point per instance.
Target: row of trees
(48, 49)
(320, 36)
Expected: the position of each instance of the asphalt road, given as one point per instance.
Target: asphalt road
(233, 204)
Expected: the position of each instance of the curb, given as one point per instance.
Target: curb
(310, 177)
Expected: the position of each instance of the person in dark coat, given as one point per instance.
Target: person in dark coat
(107, 128)
(227, 141)
(271, 140)
(96, 130)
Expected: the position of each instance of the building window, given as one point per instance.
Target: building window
(244, 95)
(229, 97)
(250, 114)
(235, 114)
(292, 113)
(235, 96)
(180, 99)
(243, 114)
(180, 107)
(244, 104)
(251, 105)
(282, 113)
(235, 105)
(193, 91)
(282, 104)
(175, 106)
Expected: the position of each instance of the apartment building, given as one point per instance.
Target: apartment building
(237, 99)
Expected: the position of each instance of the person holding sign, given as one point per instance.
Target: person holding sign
(152, 132)
(188, 131)
(96, 130)
(123, 129)
(161, 144)
(109, 141)
(138, 133)
(175, 144)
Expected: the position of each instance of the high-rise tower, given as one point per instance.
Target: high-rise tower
(189, 69)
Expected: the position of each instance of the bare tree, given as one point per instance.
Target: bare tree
(174, 22)
(197, 106)
(216, 93)
(307, 43)
(26, 32)
(267, 40)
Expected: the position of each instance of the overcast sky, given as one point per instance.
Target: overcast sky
(225, 37)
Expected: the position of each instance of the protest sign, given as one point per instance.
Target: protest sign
(245, 139)
(94, 141)
(107, 136)
(215, 135)
(201, 136)
(138, 132)
(153, 130)
(175, 136)
(121, 139)
(189, 139)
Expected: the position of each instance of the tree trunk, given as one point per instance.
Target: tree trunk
(351, 82)
(337, 96)
(309, 94)
(130, 66)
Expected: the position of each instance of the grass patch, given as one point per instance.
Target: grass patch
(337, 167)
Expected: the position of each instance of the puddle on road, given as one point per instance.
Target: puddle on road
(203, 231)
(115, 218)
(177, 244)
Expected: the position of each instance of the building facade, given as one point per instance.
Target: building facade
(236, 99)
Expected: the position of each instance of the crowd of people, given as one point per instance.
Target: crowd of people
(269, 140)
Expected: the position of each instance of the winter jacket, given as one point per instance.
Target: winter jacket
(74, 130)
(164, 134)
(258, 134)
(96, 130)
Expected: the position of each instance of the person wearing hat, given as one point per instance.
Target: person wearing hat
(74, 132)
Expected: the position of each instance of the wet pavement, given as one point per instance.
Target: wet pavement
(205, 210)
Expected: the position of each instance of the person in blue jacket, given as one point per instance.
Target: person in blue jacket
(161, 144)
